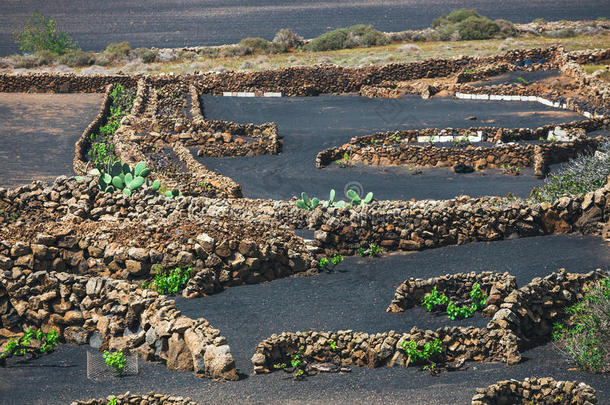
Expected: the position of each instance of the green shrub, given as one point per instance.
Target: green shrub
(345, 38)
(434, 300)
(172, 282)
(428, 352)
(40, 34)
(468, 25)
(454, 17)
(235, 50)
(145, 54)
(257, 45)
(586, 334)
(26, 61)
(474, 28)
(116, 361)
(579, 176)
(76, 57)
(117, 51)
(507, 28)
(286, 40)
(330, 264)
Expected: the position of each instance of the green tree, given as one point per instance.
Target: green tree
(40, 34)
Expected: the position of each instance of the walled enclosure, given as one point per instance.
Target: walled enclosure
(167, 117)
(524, 319)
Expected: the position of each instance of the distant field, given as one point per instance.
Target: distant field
(170, 23)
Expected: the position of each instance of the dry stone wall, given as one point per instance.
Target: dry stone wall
(148, 399)
(543, 391)
(523, 320)
(114, 314)
(456, 287)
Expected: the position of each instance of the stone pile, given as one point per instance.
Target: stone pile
(456, 287)
(542, 391)
(116, 315)
(130, 399)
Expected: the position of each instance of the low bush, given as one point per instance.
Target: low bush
(40, 34)
(76, 57)
(172, 282)
(235, 50)
(286, 40)
(145, 54)
(428, 352)
(345, 38)
(585, 336)
(257, 45)
(468, 25)
(117, 51)
(25, 61)
(579, 176)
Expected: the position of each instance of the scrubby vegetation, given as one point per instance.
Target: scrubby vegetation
(116, 360)
(467, 24)
(585, 336)
(23, 345)
(435, 302)
(579, 176)
(356, 36)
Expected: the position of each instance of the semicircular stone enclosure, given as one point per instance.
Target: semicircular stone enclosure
(419, 176)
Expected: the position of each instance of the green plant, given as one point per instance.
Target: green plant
(434, 300)
(40, 34)
(113, 401)
(117, 51)
(330, 265)
(356, 200)
(344, 161)
(416, 355)
(256, 44)
(522, 81)
(76, 57)
(372, 251)
(115, 360)
(333, 346)
(147, 55)
(345, 38)
(478, 300)
(508, 169)
(306, 204)
(585, 336)
(172, 282)
(21, 346)
(331, 201)
(14, 216)
(121, 177)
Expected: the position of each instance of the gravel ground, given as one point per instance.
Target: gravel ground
(38, 133)
(354, 298)
(311, 124)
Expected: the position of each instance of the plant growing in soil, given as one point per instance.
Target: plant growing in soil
(306, 204)
(329, 265)
(112, 401)
(333, 346)
(345, 161)
(579, 176)
(356, 200)
(585, 336)
(121, 177)
(522, 81)
(433, 300)
(40, 34)
(478, 300)
(297, 364)
(116, 361)
(172, 282)
(372, 251)
(331, 201)
(417, 356)
(21, 346)
(512, 170)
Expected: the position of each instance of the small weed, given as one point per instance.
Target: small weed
(172, 282)
(21, 346)
(372, 251)
(345, 161)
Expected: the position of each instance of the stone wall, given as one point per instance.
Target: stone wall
(480, 157)
(531, 311)
(148, 399)
(456, 287)
(83, 144)
(524, 320)
(383, 349)
(114, 314)
(542, 391)
(61, 82)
